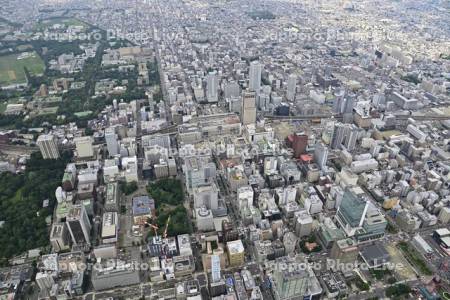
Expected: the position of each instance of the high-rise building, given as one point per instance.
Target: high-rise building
(270, 165)
(198, 171)
(231, 90)
(294, 283)
(303, 223)
(48, 145)
(78, 224)
(228, 231)
(348, 109)
(299, 144)
(236, 253)
(339, 101)
(321, 155)
(206, 195)
(338, 136)
(110, 227)
(215, 268)
(374, 225)
(84, 146)
(344, 135)
(212, 86)
(112, 197)
(291, 87)
(248, 108)
(111, 141)
(352, 212)
(328, 131)
(263, 101)
(344, 251)
(59, 237)
(255, 76)
(234, 104)
(350, 141)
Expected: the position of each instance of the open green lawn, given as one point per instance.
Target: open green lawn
(12, 67)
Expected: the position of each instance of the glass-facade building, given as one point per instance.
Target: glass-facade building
(351, 213)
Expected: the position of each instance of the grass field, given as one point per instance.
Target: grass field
(12, 69)
(63, 21)
(414, 258)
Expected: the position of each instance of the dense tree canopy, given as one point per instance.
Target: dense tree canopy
(128, 188)
(167, 191)
(168, 195)
(21, 205)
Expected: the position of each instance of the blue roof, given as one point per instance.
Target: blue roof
(142, 205)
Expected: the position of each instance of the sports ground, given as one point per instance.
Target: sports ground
(12, 67)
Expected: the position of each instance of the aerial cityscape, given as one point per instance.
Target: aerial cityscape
(224, 149)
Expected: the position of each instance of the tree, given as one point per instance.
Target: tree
(166, 191)
(398, 290)
(21, 198)
(128, 188)
(361, 285)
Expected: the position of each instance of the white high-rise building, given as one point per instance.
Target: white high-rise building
(206, 195)
(248, 108)
(45, 280)
(111, 141)
(255, 76)
(215, 268)
(270, 165)
(291, 87)
(84, 146)
(245, 196)
(212, 87)
(48, 145)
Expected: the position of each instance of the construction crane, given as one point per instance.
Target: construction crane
(155, 228)
(167, 225)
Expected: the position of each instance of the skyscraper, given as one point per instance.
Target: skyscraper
(339, 101)
(344, 135)
(78, 224)
(352, 136)
(48, 145)
(352, 212)
(111, 141)
(348, 109)
(291, 87)
(215, 268)
(248, 108)
(231, 89)
(299, 144)
(255, 76)
(321, 155)
(206, 195)
(212, 86)
(294, 283)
